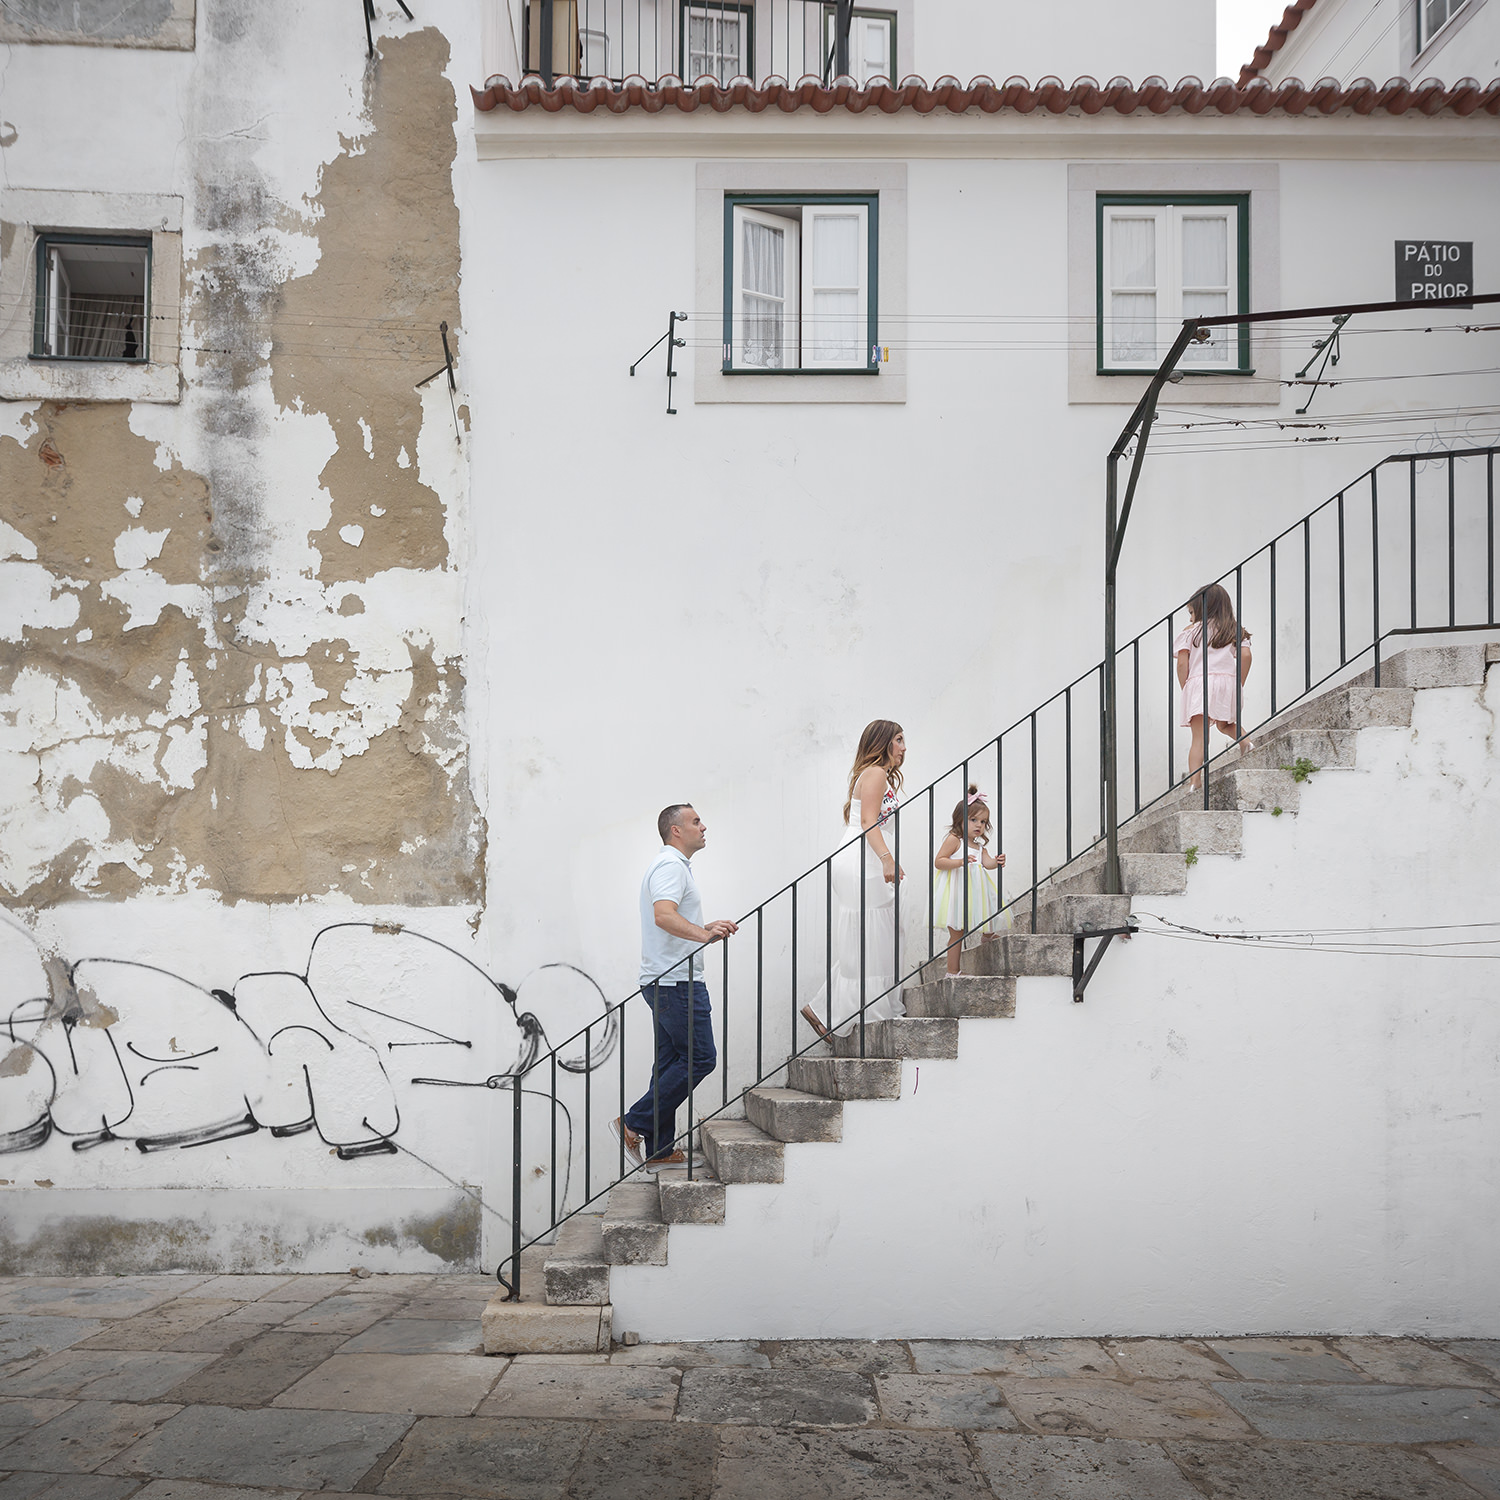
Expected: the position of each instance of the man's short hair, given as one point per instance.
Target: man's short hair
(670, 817)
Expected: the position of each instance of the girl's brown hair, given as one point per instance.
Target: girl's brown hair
(1215, 602)
(965, 810)
(874, 750)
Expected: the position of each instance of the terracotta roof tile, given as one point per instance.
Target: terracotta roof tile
(1153, 95)
(1291, 19)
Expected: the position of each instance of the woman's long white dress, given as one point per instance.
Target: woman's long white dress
(884, 955)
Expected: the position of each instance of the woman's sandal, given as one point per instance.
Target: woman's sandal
(811, 1017)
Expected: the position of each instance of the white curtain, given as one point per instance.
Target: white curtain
(837, 336)
(102, 327)
(1205, 283)
(714, 46)
(1132, 264)
(763, 294)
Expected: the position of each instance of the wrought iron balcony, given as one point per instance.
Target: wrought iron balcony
(727, 41)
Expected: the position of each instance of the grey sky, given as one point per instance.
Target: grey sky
(1243, 25)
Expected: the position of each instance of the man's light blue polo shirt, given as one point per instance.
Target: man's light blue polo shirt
(670, 878)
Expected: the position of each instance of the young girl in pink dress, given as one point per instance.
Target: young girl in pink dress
(1228, 665)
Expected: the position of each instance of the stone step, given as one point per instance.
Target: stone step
(1140, 874)
(632, 1231)
(1216, 832)
(695, 1200)
(1435, 666)
(1254, 791)
(535, 1326)
(847, 1077)
(577, 1269)
(791, 1115)
(962, 995)
(739, 1151)
(1019, 955)
(901, 1036)
(1079, 912)
(1323, 747)
(1352, 706)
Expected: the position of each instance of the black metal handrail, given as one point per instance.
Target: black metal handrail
(1336, 578)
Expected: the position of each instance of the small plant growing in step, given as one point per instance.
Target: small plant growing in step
(1190, 856)
(1301, 769)
(1275, 812)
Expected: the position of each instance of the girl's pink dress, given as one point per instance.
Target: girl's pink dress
(1223, 672)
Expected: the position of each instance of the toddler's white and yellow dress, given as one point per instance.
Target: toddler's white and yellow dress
(948, 894)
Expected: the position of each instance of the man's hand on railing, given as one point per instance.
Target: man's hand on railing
(720, 928)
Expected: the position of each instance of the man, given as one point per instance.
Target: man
(672, 927)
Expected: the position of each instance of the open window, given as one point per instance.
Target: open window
(800, 275)
(1163, 259)
(93, 298)
(872, 44)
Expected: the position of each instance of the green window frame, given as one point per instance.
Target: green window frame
(863, 13)
(1240, 364)
(44, 244)
(744, 9)
(870, 202)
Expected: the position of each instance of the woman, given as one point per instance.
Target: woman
(865, 876)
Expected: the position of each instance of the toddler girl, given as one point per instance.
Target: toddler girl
(984, 885)
(1226, 641)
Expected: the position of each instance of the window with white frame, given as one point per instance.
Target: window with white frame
(1432, 16)
(1161, 260)
(800, 283)
(92, 297)
(716, 41)
(872, 44)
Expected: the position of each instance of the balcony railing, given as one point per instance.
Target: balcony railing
(727, 41)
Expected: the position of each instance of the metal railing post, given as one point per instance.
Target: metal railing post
(515, 1190)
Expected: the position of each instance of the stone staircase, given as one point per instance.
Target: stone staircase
(573, 1313)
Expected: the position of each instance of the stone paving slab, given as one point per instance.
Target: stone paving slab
(689, 1356)
(104, 1375)
(1482, 1352)
(645, 1461)
(31, 1338)
(191, 1489)
(259, 1371)
(777, 1398)
(1285, 1359)
(308, 1289)
(1479, 1467)
(486, 1457)
(1300, 1471)
(756, 1463)
(864, 1356)
(346, 1314)
(83, 1437)
(418, 1336)
(1071, 1468)
(1105, 1408)
(428, 1385)
(968, 1403)
(1167, 1359)
(610, 1392)
(1367, 1414)
(265, 1447)
(106, 1297)
(1031, 1357)
(1408, 1362)
(160, 1326)
(21, 1415)
(65, 1487)
(244, 1288)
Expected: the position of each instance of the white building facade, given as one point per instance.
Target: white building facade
(343, 694)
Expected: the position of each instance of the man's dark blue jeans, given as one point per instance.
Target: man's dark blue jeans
(653, 1117)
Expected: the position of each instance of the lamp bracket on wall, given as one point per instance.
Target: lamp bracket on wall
(670, 339)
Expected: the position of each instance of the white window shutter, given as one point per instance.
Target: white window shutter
(1133, 274)
(835, 274)
(765, 291)
(1209, 277)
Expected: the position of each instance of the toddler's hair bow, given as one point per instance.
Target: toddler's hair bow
(976, 797)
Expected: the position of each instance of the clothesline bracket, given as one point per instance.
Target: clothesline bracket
(1082, 975)
(1328, 347)
(670, 339)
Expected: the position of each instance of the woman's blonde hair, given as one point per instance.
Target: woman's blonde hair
(874, 750)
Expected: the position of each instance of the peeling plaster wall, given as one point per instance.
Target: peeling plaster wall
(241, 858)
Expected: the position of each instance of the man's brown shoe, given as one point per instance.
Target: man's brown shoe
(632, 1141)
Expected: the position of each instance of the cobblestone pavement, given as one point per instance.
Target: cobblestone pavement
(233, 1387)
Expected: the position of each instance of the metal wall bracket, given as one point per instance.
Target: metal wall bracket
(1082, 975)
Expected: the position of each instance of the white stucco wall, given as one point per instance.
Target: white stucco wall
(1345, 39)
(1220, 1139)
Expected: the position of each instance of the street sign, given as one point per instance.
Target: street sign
(1434, 268)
